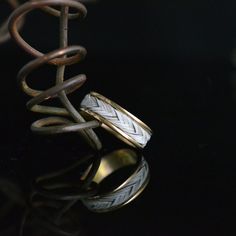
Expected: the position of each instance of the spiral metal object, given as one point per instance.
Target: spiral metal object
(53, 188)
(62, 57)
(53, 192)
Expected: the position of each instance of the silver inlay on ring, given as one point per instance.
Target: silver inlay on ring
(126, 192)
(117, 120)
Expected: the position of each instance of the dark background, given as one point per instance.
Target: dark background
(171, 63)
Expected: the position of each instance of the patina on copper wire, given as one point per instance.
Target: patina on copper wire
(48, 187)
(62, 57)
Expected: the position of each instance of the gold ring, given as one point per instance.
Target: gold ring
(117, 120)
(121, 177)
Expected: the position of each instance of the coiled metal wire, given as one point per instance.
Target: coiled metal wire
(53, 190)
(62, 57)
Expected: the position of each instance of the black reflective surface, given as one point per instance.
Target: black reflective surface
(171, 63)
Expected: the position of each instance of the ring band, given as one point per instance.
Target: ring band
(117, 120)
(125, 192)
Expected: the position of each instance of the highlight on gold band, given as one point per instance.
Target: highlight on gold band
(121, 177)
(117, 120)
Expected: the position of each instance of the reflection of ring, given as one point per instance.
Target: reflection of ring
(117, 120)
(128, 190)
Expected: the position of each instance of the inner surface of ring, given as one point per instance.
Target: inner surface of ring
(115, 162)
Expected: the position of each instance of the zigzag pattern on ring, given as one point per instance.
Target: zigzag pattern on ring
(117, 118)
(123, 194)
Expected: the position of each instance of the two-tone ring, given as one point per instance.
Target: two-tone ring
(128, 185)
(132, 131)
(117, 120)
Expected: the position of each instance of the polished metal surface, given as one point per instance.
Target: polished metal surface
(117, 120)
(127, 190)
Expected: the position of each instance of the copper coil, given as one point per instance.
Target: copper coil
(4, 34)
(61, 119)
(62, 57)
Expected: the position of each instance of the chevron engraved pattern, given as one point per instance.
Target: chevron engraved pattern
(121, 196)
(118, 118)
